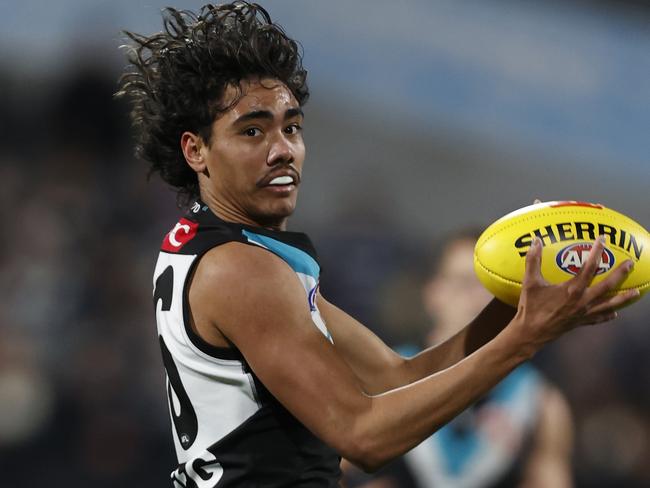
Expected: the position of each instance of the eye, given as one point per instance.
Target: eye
(252, 132)
(292, 129)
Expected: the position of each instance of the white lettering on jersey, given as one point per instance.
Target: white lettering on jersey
(203, 470)
(179, 479)
(172, 234)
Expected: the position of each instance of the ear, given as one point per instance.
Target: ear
(192, 145)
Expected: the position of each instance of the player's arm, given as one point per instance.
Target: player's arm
(381, 369)
(549, 463)
(377, 366)
(267, 318)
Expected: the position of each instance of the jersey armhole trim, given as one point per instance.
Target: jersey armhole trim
(228, 353)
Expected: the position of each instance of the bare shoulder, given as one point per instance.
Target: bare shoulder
(236, 284)
(234, 259)
(227, 271)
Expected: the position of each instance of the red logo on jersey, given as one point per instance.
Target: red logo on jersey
(183, 232)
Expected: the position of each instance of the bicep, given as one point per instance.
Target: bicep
(377, 366)
(267, 318)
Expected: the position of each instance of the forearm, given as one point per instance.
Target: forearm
(490, 322)
(400, 419)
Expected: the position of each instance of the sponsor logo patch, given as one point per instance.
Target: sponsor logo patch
(573, 257)
(313, 293)
(181, 234)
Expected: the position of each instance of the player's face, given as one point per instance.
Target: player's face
(255, 157)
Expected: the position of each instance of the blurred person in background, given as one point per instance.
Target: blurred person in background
(267, 381)
(519, 434)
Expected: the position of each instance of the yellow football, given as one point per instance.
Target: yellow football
(568, 230)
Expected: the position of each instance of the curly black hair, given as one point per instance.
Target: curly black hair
(176, 79)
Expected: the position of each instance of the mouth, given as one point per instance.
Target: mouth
(280, 182)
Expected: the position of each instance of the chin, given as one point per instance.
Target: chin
(273, 210)
(274, 217)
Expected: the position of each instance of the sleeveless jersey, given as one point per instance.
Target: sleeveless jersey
(228, 429)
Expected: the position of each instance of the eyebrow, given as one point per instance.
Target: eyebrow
(266, 114)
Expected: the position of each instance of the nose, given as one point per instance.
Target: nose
(280, 151)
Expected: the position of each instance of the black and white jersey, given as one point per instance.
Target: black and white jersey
(228, 429)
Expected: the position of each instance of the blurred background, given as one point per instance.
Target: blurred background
(426, 117)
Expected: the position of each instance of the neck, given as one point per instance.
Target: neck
(238, 216)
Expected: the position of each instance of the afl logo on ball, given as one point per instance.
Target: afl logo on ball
(573, 257)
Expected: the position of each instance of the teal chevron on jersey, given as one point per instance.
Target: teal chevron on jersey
(300, 261)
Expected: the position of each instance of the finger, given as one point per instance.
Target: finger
(533, 271)
(588, 271)
(615, 278)
(617, 301)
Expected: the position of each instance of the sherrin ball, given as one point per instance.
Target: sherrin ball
(568, 230)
